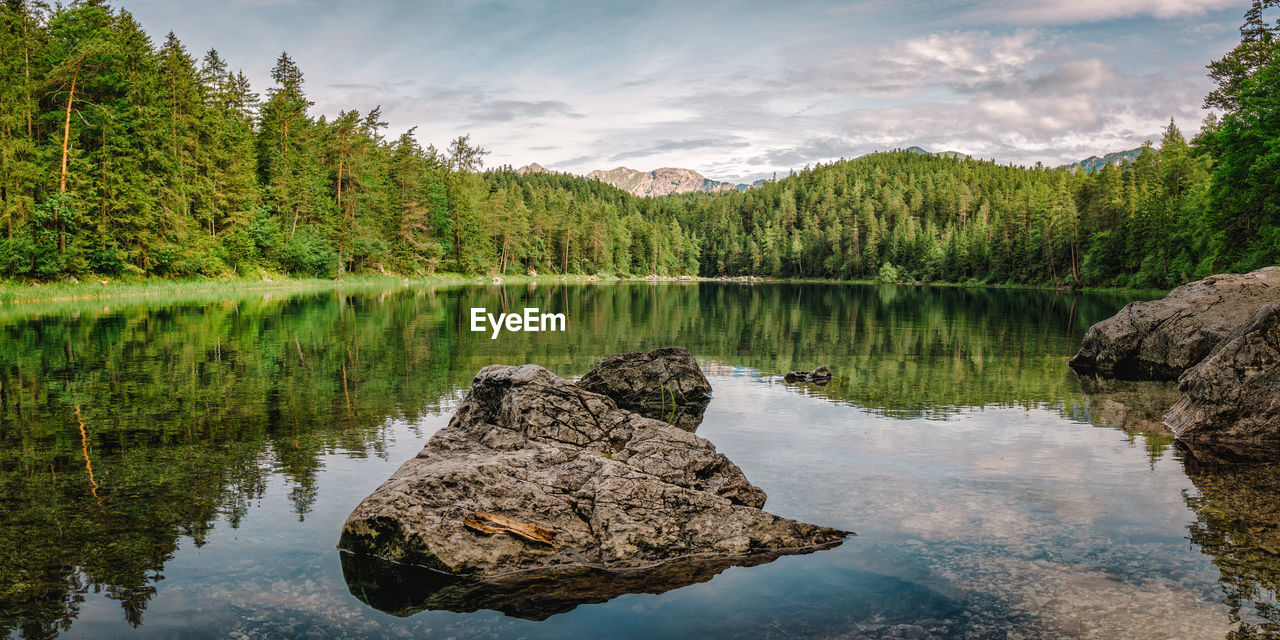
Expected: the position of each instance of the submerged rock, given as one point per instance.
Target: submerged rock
(1159, 339)
(536, 474)
(1234, 394)
(664, 384)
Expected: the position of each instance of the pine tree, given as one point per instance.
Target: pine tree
(20, 41)
(288, 161)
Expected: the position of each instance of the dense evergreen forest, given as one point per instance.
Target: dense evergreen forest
(121, 157)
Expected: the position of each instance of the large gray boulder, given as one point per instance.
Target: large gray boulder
(664, 384)
(534, 473)
(1234, 394)
(1159, 339)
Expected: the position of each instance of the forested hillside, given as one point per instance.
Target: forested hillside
(123, 156)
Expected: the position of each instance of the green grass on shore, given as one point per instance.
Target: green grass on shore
(15, 293)
(18, 292)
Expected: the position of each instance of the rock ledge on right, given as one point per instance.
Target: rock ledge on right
(1234, 394)
(1219, 337)
(1159, 339)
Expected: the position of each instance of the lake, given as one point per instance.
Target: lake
(182, 468)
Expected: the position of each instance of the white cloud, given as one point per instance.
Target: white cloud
(739, 93)
(965, 54)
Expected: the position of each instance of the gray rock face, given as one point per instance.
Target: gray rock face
(1160, 339)
(1234, 394)
(664, 384)
(602, 487)
(659, 182)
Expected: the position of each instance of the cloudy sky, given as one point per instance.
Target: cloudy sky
(736, 90)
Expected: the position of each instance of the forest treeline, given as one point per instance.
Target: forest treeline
(119, 156)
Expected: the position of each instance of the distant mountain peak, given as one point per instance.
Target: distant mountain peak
(534, 167)
(660, 182)
(1094, 163)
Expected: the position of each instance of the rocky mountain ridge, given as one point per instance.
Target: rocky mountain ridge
(534, 167)
(1095, 163)
(672, 180)
(660, 182)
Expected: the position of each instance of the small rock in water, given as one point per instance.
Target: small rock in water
(819, 376)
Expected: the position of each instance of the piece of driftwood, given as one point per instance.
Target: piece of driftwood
(489, 523)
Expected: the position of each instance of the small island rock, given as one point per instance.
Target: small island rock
(820, 376)
(563, 477)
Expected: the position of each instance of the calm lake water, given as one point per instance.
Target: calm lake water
(183, 469)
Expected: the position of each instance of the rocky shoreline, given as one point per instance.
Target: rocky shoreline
(1218, 337)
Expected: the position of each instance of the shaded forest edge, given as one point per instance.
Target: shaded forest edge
(123, 159)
